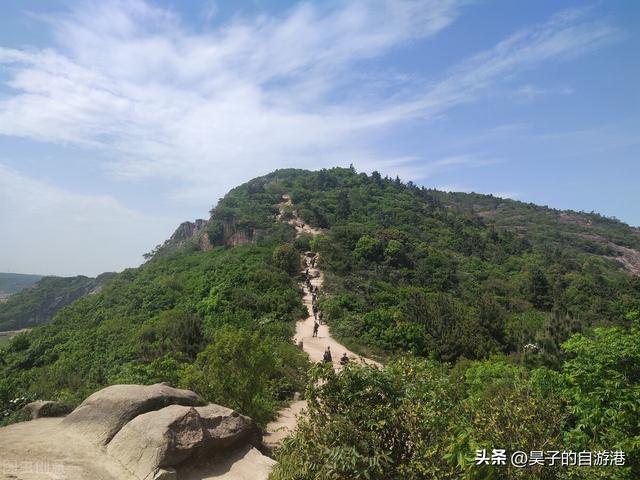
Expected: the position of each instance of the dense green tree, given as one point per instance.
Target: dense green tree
(603, 388)
(285, 257)
(241, 369)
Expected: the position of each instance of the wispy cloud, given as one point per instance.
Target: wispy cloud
(567, 34)
(531, 92)
(414, 168)
(212, 108)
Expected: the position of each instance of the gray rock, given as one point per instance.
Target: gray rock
(226, 428)
(104, 413)
(46, 408)
(157, 440)
(166, 438)
(166, 474)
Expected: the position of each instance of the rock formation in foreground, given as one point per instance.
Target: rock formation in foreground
(137, 432)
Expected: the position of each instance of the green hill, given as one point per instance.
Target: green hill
(38, 304)
(11, 283)
(467, 297)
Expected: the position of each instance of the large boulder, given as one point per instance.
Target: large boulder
(104, 413)
(154, 442)
(159, 439)
(226, 428)
(46, 408)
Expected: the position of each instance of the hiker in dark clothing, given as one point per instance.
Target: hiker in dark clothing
(345, 359)
(315, 311)
(327, 356)
(316, 326)
(320, 317)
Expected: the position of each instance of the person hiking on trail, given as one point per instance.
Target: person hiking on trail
(320, 317)
(316, 326)
(345, 359)
(315, 310)
(327, 355)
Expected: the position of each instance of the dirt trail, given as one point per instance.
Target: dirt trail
(280, 428)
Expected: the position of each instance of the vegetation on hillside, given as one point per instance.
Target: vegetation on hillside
(420, 419)
(417, 270)
(192, 319)
(503, 325)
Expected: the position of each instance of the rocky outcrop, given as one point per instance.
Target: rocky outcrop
(225, 428)
(188, 230)
(173, 443)
(204, 243)
(234, 236)
(158, 432)
(105, 412)
(155, 442)
(187, 234)
(46, 408)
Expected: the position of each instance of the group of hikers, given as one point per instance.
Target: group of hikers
(317, 313)
(327, 358)
(313, 289)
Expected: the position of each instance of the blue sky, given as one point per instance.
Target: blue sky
(120, 119)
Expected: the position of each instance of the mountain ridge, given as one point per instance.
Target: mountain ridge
(605, 236)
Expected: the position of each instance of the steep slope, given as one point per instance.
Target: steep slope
(38, 303)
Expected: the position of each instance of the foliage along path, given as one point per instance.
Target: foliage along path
(284, 425)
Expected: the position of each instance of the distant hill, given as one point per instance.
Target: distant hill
(11, 283)
(38, 303)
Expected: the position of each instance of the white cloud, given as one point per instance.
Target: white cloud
(48, 230)
(566, 35)
(215, 107)
(414, 168)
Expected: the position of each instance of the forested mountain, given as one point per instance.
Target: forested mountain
(38, 303)
(466, 297)
(11, 283)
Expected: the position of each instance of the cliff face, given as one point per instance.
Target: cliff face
(233, 236)
(188, 230)
(197, 234)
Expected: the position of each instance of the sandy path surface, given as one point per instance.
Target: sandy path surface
(284, 425)
(315, 346)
